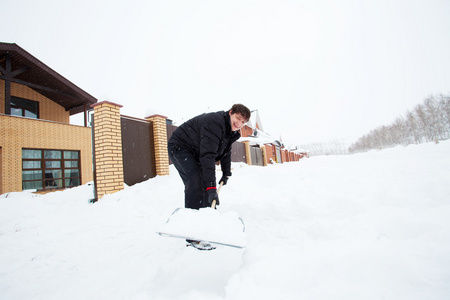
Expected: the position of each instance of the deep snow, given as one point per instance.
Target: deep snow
(365, 226)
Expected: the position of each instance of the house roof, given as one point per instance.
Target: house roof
(255, 120)
(28, 70)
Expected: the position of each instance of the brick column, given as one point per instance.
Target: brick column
(248, 155)
(264, 155)
(108, 148)
(160, 142)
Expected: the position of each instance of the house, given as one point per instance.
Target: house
(253, 125)
(273, 150)
(39, 149)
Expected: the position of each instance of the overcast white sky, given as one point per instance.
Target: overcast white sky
(315, 70)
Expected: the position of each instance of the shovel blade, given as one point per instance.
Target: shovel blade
(206, 224)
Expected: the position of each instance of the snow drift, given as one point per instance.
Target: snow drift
(363, 226)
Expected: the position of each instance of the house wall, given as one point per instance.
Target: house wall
(1, 170)
(50, 131)
(246, 131)
(48, 110)
(17, 133)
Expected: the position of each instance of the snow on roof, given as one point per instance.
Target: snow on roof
(296, 149)
(259, 138)
(255, 120)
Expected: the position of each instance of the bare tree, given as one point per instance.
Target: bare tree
(444, 115)
(427, 122)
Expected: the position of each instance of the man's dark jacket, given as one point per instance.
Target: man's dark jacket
(209, 138)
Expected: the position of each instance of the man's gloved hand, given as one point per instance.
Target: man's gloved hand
(224, 179)
(212, 195)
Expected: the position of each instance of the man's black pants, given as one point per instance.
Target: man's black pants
(190, 172)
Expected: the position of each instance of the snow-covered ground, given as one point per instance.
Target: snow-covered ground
(365, 226)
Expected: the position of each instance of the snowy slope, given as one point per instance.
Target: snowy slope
(364, 226)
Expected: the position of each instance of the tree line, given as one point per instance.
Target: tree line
(334, 147)
(427, 122)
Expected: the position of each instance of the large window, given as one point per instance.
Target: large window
(43, 169)
(24, 108)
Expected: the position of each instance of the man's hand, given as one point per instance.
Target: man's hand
(212, 195)
(224, 179)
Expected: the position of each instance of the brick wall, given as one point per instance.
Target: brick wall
(246, 131)
(1, 170)
(17, 133)
(48, 110)
(108, 147)
(268, 154)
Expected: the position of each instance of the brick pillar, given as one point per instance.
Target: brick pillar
(108, 148)
(264, 155)
(248, 155)
(160, 142)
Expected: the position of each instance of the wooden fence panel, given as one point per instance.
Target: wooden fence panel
(170, 130)
(137, 150)
(279, 160)
(238, 152)
(257, 156)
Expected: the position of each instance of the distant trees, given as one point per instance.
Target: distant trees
(334, 147)
(427, 122)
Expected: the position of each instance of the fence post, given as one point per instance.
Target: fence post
(160, 142)
(107, 148)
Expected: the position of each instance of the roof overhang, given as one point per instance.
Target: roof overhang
(26, 69)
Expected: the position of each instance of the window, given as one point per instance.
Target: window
(44, 169)
(24, 108)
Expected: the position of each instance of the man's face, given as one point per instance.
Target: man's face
(237, 121)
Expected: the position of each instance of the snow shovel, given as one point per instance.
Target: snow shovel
(206, 224)
(213, 204)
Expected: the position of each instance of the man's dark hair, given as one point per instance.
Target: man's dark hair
(242, 110)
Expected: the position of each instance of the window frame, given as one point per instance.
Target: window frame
(24, 105)
(51, 171)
